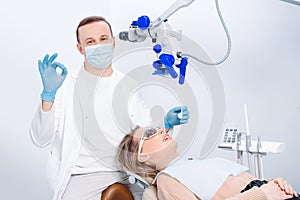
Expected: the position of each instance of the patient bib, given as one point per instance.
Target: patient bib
(203, 177)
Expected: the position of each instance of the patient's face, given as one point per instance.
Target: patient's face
(155, 143)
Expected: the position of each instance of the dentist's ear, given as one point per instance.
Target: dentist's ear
(80, 48)
(143, 158)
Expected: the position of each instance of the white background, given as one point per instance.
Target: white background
(262, 71)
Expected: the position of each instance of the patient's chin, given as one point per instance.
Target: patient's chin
(163, 157)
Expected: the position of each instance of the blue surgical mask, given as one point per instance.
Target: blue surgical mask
(100, 55)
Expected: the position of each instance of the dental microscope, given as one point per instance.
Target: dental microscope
(167, 41)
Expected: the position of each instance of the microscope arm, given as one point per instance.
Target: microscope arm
(171, 10)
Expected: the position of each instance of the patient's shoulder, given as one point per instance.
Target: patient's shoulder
(170, 188)
(166, 182)
(164, 176)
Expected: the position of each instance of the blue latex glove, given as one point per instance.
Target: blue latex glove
(50, 78)
(172, 118)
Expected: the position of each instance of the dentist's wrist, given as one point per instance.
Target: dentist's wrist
(166, 124)
(48, 96)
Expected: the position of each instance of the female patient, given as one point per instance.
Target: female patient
(151, 153)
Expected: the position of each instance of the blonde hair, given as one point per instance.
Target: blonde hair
(127, 156)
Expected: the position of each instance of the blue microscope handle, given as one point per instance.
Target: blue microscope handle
(168, 60)
(182, 69)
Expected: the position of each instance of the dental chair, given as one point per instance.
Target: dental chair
(149, 191)
(118, 191)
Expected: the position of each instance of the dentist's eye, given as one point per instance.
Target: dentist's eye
(90, 42)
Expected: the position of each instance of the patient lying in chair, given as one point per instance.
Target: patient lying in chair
(152, 154)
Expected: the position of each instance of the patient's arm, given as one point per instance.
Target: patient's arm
(254, 193)
(269, 191)
(169, 188)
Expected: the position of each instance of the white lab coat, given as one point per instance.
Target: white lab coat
(57, 127)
